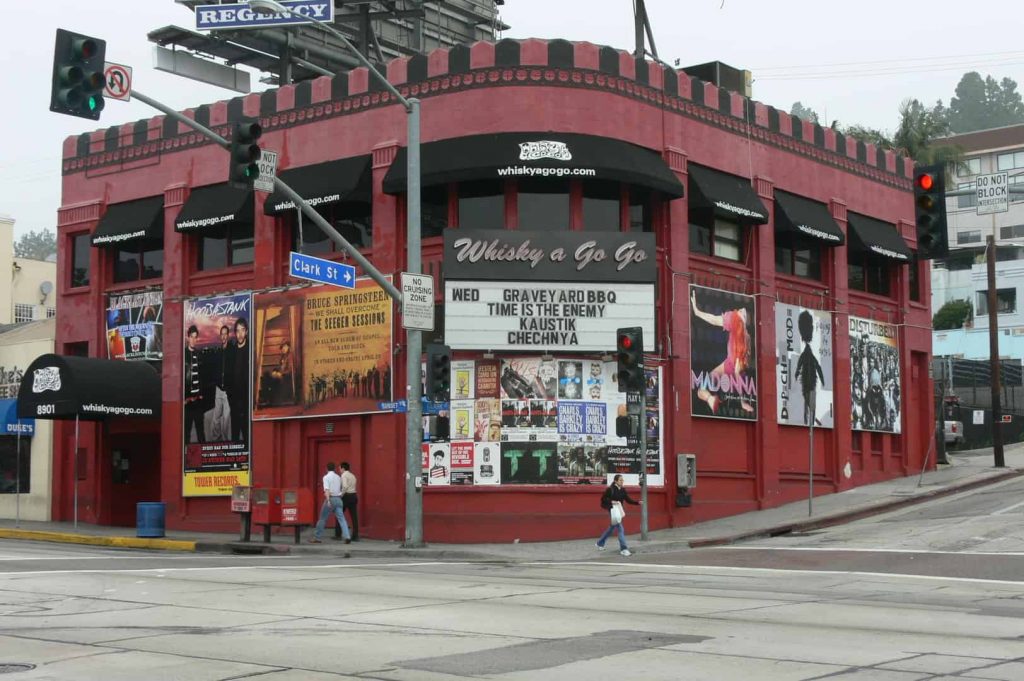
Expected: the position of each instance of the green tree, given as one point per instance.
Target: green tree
(982, 103)
(953, 315)
(36, 245)
(804, 112)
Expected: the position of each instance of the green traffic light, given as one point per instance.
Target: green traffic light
(91, 103)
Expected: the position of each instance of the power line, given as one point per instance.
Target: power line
(881, 72)
(888, 61)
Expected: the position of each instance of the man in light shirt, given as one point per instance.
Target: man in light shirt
(349, 500)
(332, 504)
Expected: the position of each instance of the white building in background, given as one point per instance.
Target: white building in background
(28, 288)
(963, 275)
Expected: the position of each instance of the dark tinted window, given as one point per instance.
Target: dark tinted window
(80, 260)
(15, 466)
(543, 205)
(601, 201)
(482, 205)
(639, 212)
(433, 211)
(213, 250)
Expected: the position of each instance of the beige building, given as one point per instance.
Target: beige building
(32, 291)
(30, 463)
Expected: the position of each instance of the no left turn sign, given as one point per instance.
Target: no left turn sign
(117, 81)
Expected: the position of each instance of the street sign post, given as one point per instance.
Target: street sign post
(993, 193)
(321, 271)
(240, 15)
(268, 171)
(117, 81)
(417, 301)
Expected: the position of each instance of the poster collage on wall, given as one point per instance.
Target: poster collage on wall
(540, 421)
(135, 326)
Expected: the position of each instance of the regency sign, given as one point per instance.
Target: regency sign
(549, 256)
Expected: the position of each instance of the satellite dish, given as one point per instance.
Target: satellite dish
(46, 288)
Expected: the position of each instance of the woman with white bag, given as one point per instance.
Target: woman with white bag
(611, 501)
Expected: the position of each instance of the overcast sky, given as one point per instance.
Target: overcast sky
(851, 62)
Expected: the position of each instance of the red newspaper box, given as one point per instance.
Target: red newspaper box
(297, 509)
(266, 508)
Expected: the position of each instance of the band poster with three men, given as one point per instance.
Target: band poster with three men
(216, 381)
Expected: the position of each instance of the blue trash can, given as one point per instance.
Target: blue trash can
(149, 519)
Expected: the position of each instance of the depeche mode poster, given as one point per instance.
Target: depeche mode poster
(803, 366)
(723, 354)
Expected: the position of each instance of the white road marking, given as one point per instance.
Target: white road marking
(1007, 509)
(870, 550)
(161, 572)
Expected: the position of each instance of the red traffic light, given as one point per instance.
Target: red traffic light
(925, 181)
(625, 342)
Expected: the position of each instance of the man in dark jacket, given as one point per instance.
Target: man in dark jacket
(612, 499)
(237, 381)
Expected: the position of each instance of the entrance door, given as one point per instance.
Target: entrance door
(135, 474)
(337, 450)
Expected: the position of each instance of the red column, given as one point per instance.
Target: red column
(177, 267)
(839, 285)
(766, 433)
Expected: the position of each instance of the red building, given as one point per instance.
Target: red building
(749, 208)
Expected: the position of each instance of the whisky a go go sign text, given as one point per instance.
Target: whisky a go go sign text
(542, 290)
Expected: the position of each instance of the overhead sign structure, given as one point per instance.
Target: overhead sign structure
(117, 81)
(268, 171)
(417, 301)
(321, 271)
(993, 193)
(240, 15)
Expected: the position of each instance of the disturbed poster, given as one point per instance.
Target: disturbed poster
(874, 376)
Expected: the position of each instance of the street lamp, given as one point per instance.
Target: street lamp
(414, 341)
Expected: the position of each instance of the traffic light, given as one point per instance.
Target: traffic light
(244, 153)
(930, 211)
(630, 356)
(439, 372)
(77, 85)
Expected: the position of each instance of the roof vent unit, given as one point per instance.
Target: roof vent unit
(724, 76)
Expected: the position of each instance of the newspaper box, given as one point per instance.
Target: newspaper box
(297, 507)
(266, 506)
(241, 503)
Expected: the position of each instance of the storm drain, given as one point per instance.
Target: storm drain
(12, 667)
(546, 653)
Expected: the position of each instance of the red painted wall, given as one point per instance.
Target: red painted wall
(742, 466)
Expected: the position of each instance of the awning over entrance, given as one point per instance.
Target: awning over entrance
(132, 221)
(347, 179)
(539, 155)
(728, 196)
(59, 387)
(877, 238)
(213, 206)
(802, 217)
(10, 424)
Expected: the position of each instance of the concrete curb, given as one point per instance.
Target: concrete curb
(92, 540)
(852, 514)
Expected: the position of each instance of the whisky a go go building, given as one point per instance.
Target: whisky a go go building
(568, 190)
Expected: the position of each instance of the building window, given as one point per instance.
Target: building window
(973, 166)
(51, 312)
(138, 262)
(971, 237)
(10, 480)
(543, 205)
(1017, 197)
(602, 206)
(23, 313)
(710, 235)
(1010, 161)
(80, 252)
(966, 200)
(639, 211)
(1006, 301)
(801, 259)
(482, 205)
(433, 211)
(354, 221)
(914, 279)
(1012, 232)
(233, 245)
(869, 275)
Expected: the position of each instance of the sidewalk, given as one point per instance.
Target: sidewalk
(967, 471)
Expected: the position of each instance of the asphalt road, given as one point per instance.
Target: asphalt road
(932, 592)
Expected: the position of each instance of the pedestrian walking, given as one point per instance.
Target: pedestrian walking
(611, 501)
(349, 500)
(332, 504)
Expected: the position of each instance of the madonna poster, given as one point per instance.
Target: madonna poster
(723, 350)
(803, 373)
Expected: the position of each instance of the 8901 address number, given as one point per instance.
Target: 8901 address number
(45, 409)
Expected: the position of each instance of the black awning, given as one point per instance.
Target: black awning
(212, 206)
(347, 179)
(803, 217)
(60, 387)
(728, 196)
(878, 239)
(131, 221)
(538, 155)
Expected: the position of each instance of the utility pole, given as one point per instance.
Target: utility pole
(993, 349)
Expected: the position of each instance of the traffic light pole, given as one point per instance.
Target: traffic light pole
(993, 348)
(643, 460)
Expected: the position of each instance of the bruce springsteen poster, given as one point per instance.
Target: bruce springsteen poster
(803, 369)
(322, 351)
(216, 398)
(723, 347)
(874, 376)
